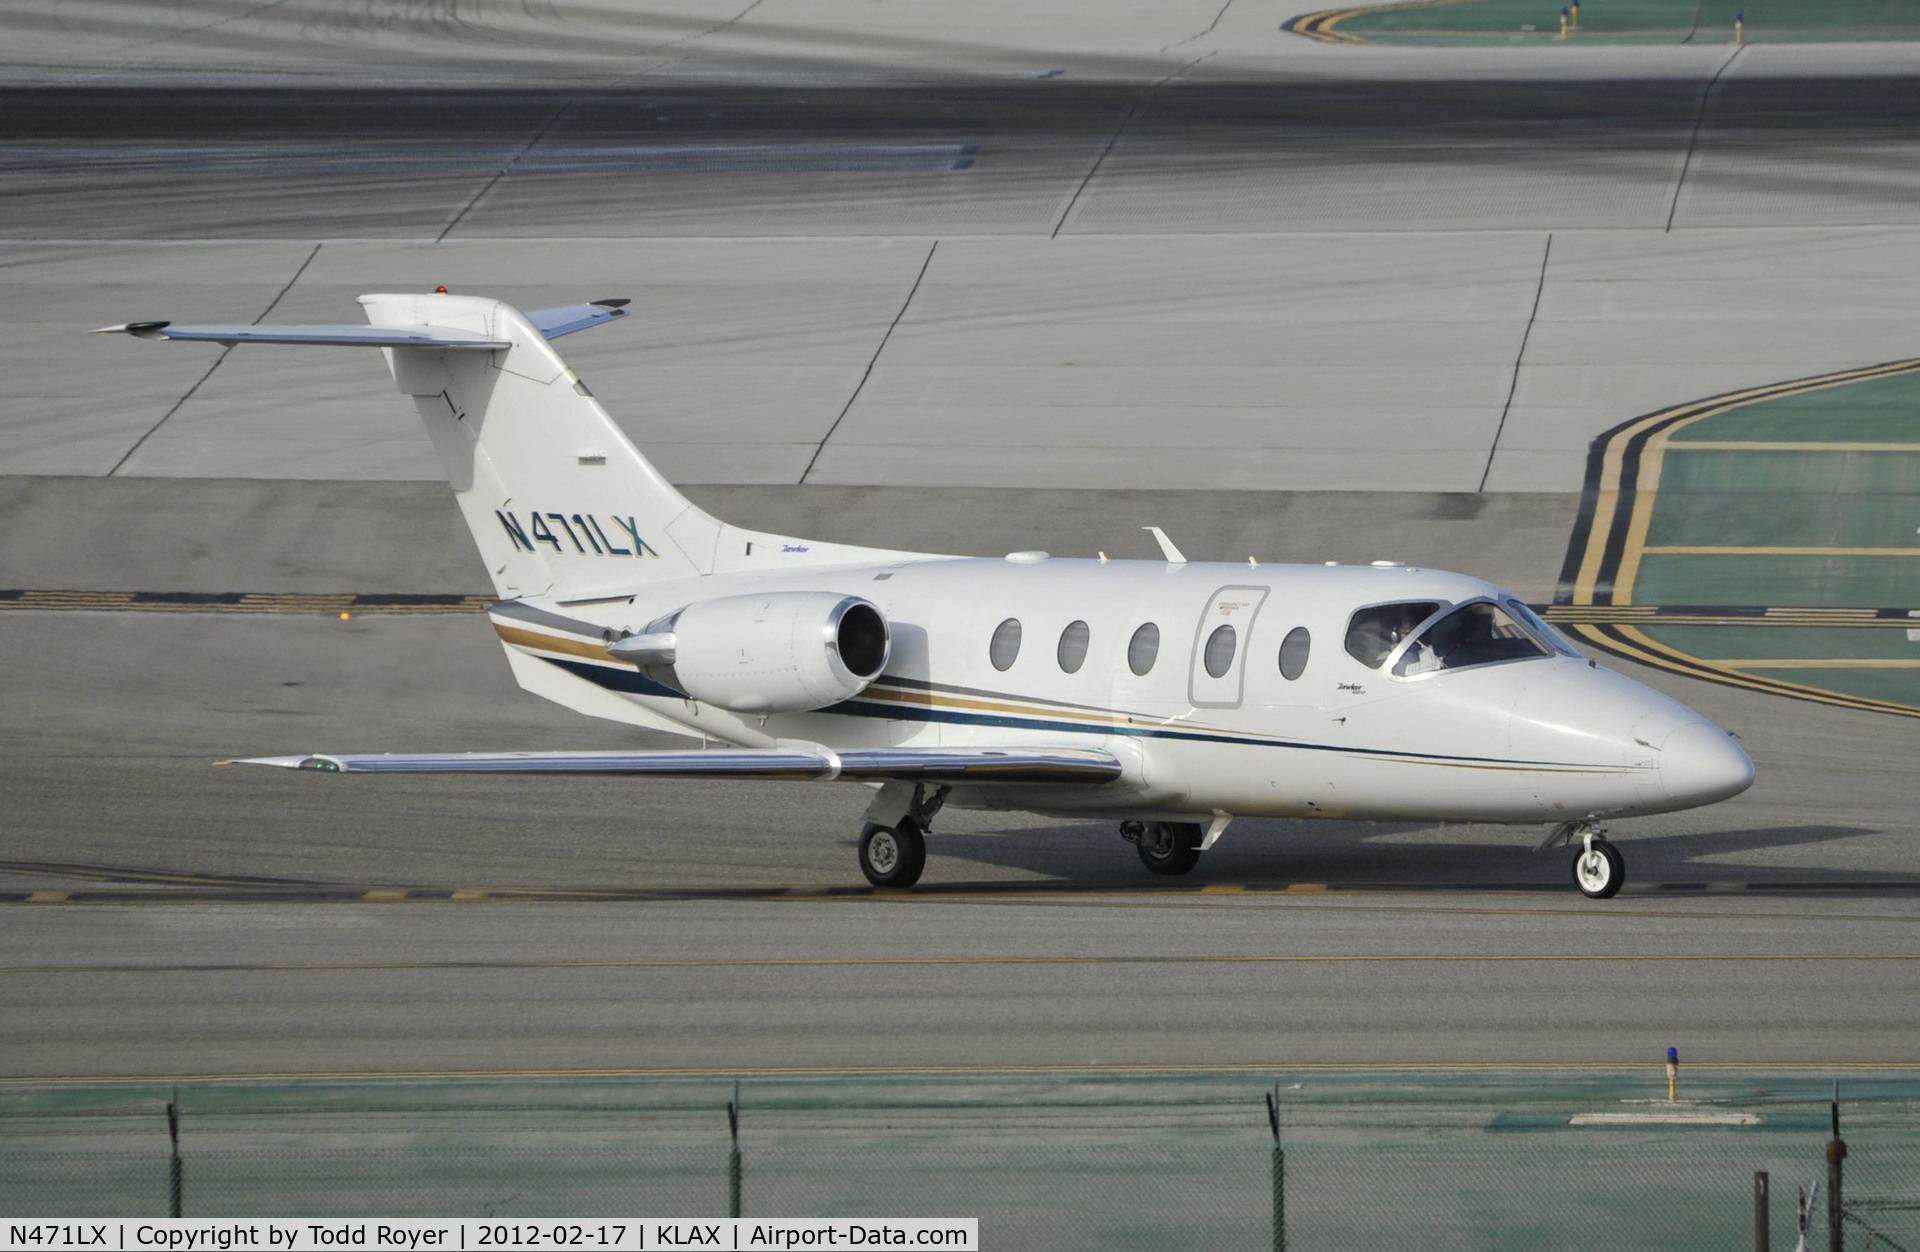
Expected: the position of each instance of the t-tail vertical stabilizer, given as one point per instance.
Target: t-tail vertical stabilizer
(559, 500)
(561, 503)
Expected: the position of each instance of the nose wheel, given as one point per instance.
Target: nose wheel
(1599, 869)
(893, 856)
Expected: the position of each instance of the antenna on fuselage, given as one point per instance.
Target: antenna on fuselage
(1166, 546)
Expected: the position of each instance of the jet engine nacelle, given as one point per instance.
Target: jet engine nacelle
(782, 652)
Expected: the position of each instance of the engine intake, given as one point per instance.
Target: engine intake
(783, 652)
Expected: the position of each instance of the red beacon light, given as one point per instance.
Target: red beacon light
(439, 291)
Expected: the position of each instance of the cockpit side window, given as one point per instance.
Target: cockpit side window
(1375, 632)
(1473, 634)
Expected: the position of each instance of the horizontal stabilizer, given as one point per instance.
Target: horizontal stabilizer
(790, 761)
(347, 336)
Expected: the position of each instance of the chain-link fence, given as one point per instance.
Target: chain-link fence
(1882, 1194)
(1054, 1162)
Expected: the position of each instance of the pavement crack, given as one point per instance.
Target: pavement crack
(1210, 28)
(503, 171)
(1113, 139)
(1513, 384)
(217, 362)
(872, 361)
(1707, 97)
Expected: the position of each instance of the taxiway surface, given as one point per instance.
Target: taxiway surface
(166, 916)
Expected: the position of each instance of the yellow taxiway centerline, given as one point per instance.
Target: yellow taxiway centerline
(1785, 445)
(1824, 663)
(801, 962)
(1729, 550)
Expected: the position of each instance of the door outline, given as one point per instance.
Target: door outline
(1233, 605)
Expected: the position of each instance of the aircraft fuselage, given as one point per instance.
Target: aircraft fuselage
(1540, 737)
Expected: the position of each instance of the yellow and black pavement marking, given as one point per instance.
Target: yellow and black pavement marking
(1325, 24)
(1803, 494)
(836, 962)
(138, 886)
(240, 602)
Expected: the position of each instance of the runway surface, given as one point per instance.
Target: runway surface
(972, 278)
(1261, 278)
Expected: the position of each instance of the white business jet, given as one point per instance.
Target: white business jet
(1169, 695)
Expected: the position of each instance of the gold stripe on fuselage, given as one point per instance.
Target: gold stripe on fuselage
(1093, 719)
(522, 638)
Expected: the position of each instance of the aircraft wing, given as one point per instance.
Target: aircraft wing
(805, 762)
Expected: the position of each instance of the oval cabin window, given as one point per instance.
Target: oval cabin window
(1143, 648)
(1218, 658)
(1073, 647)
(1006, 644)
(1293, 653)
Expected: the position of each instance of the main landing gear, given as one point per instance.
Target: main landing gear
(1598, 868)
(894, 854)
(1165, 847)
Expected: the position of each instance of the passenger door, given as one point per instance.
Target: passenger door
(1217, 672)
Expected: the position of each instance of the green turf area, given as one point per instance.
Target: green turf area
(1865, 582)
(1796, 472)
(1638, 21)
(1742, 498)
(1096, 1161)
(1755, 519)
(1881, 410)
(1900, 686)
(1816, 642)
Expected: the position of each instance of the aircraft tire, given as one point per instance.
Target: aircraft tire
(1599, 878)
(892, 856)
(1170, 847)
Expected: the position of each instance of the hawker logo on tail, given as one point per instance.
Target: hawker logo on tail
(576, 526)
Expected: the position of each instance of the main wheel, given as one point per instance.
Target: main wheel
(892, 856)
(1600, 872)
(1170, 847)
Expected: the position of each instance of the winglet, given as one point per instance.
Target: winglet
(145, 330)
(1166, 546)
(309, 761)
(554, 323)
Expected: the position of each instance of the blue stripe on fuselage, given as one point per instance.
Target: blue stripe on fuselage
(920, 713)
(636, 683)
(631, 681)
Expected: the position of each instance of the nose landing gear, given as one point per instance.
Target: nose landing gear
(1598, 868)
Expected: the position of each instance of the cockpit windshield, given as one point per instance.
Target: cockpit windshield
(1541, 631)
(1375, 632)
(1479, 633)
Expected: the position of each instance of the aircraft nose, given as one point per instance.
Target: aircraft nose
(1700, 763)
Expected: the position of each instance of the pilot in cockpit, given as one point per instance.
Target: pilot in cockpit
(1420, 655)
